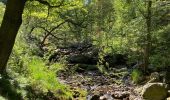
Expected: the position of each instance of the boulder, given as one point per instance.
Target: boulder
(85, 67)
(154, 91)
(115, 59)
(82, 59)
(78, 53)
(168, 98)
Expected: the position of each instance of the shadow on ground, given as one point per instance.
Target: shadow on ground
(8, 90)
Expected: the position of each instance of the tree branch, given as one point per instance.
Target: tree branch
(57, 26)
(49, 32)
(44, 2)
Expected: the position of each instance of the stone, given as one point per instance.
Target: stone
(106, 97)
(95, 97)
(121, 95)
(168, 93)
(154, 91)
(154, 77)
(167, 77)
(83, 67)
(76, 94)
(168, 98)
(82, 59)
(113, 60)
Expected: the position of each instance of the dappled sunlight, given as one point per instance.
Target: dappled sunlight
(84, 50)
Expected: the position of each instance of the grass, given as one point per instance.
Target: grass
(39, 77)
(136, 76)
(44, 78)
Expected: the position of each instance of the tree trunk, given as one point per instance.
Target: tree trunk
(148, 36)
(9, 28)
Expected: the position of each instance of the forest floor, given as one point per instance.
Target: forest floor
(115, 84)
(83, 75)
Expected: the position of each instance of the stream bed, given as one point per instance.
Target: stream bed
(115, 85)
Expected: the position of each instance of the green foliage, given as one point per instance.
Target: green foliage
(41, 77)
(100, 65)
(114, 26)
(28, 69)
(160, 50)
(44, 79)
(136, 76)
(2, 9)
(2, 98)
(9, 89)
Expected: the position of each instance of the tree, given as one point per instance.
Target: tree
(9, 28)
(10, 25)
(148, 36)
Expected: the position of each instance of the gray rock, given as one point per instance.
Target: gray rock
(106, 97)
(154, 77)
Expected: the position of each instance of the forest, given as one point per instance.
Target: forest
(84, 50)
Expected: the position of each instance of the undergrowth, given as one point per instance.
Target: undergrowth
(40, 78)
(31, 76)
(136, 76)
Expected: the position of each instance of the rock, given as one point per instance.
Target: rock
(168, 98)
(138, 66)
(114, 76)
(76, 94)
(95, 97)
(165, 74)
(154, 77)
(82, 59)
(166, 79)
(83, 53)
(106, 97)
(54, 57)
(168, 93)
(138, 89)
(154, 91)
(85, 67)
(121, 95)
(114, 59)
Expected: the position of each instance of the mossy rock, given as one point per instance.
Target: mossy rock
(154, 91)
(85, 67)
(82, 59)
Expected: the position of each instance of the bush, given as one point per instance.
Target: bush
(40, 77)
(136, 76)
(29, 70)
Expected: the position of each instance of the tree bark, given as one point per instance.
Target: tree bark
(148, 36)
(9, 28)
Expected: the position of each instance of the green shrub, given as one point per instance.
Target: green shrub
(44, 78)
(159, 60)
(41, 77)
(136, 76)
(29, 70)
